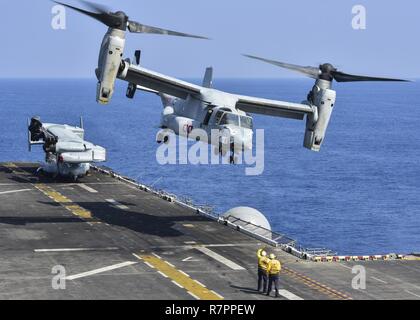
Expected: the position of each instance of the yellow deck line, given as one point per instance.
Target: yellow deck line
(53, 194)
(64, 201)
(10, 165)
(192, 286)
(317, 285)
(14, 169)
(411, 258)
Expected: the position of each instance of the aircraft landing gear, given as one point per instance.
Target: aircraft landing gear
(222, 150)
(233, 158)
(163, 139)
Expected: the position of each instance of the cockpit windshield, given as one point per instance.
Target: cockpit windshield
(230, 118)
(246, 122)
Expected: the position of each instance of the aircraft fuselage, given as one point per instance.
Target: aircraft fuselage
(210, 112)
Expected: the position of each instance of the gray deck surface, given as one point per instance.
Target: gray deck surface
(38, 214)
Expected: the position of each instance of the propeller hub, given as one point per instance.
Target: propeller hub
(327, 70)
(118, 20)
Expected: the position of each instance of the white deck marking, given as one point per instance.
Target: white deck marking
(220, 258)
(193, 295)
(288, 295)
(200, 283)
(177, 284)
(87, 184)
(192, 246)
(117, 204)
(87, 188)
(340, 264)
(101, 270)
(220, 296)
(379, 280)
(159, 257)
(221, 245)
(15, 191)
(185, 274)
(401, 281)
(76, 249)
(413, 294)
(190, 259)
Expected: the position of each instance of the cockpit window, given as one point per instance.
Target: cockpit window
(230, 118)
(218, 116)
(246, 122)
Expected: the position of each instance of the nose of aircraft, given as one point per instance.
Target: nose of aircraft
(242, 139)
(247, 139)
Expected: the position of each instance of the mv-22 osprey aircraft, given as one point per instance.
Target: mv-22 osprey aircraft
(188, 106)
(67, 154)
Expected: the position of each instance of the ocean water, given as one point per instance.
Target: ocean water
(359, 195)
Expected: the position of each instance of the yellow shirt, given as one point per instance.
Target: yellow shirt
(263, 261)
(274, 267)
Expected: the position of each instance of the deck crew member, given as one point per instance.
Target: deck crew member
(273, 271)
(262, 270)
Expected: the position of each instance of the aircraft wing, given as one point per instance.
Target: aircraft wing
(181, 89)
(65, 132)
(72, 146)
(68, 142)
(159, 82)
(273, 108)
(91, 153)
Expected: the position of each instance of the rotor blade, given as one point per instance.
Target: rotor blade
(101, 17)
(136, 27)
(311, 72)
(95, 6)
(344, 77)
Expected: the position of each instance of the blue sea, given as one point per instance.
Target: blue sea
(359, 195)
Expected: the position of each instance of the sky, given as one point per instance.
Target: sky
(304, 32)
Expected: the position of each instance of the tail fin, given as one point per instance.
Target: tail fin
(208, 78)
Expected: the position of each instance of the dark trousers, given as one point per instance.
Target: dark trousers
(273, 279)
(262, 280)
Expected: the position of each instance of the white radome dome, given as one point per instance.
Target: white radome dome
(250, 215)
